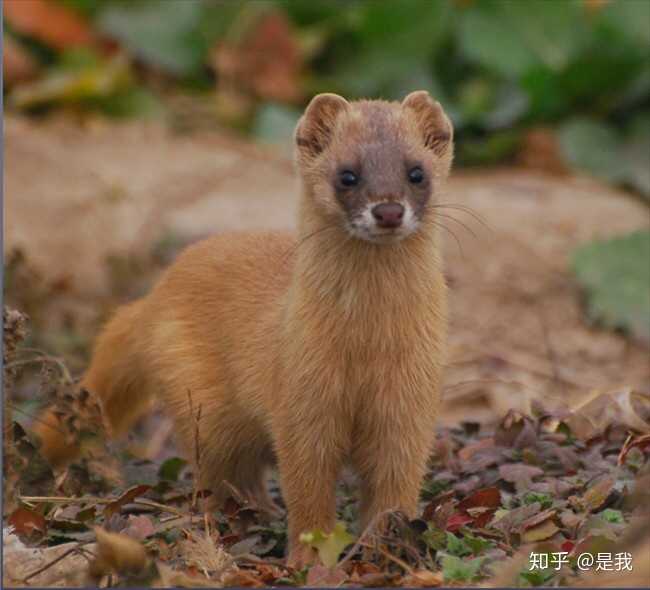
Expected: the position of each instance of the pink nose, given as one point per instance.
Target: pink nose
(388, 215)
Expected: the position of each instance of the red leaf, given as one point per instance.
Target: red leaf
(28, 523)
(567, 546)
(641, 442)
(49, 22)
(485, 497)
(128, 496)
(457, 521)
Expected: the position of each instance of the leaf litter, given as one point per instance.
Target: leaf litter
(493, 494)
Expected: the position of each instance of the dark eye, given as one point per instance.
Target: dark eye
(416, 176)
(348, 178)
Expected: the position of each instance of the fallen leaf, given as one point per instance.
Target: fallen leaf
(139, 527)
(128, 496)
(634, 442)
(540, 532)
(516, 430)
(170, 578)
(28, 523)
(320, 576)
(467, 452)
(457, 521)
(422, 579)
(595, 496)
(328, 545)
(117, 553)
(538, 518)
(17, 64)
(50, 22)
(520, 474)
(485, 497)
(241, 578)
(511, 520)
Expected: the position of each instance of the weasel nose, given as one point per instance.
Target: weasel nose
(388, 215)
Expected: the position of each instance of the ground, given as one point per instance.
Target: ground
(97, 209)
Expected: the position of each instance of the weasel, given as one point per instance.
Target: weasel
(308, 352)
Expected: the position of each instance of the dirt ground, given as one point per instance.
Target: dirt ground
(76, 194)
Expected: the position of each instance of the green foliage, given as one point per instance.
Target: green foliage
(163, 33)
(613, 516)
(536, 577)
(615, 276)
(609, 154)
(545, 500)
(499, 67)
(171, 468)
(455, 569)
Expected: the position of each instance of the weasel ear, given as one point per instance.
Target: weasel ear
(437, 131)
(314, 130)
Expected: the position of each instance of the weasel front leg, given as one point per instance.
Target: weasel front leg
(390, 455)
(310, 441)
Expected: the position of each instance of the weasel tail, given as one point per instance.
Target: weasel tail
(308, 352)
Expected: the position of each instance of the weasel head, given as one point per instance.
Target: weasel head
(374, 167)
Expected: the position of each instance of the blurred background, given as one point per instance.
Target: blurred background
(135, 127)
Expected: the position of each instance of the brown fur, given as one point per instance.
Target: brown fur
(316, 352)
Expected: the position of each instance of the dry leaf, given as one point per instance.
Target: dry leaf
(540, 532)
(422, 579)
(28, 523)
(265, 60)
(170, 578)
(139, 527)
(595, 496)
(128, 496)
(117, 553)
(320, 576)
(17, 64)
(520, 474)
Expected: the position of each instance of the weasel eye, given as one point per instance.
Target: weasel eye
(416, 176)
(348, 178)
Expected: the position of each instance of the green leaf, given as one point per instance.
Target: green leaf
(477, 544)
(435, 538)
(328, 545)
(615, 275)
(631, 18)
(592, 146)
(455, 569)
(536, 577)
(275, 123)
(512, 37)
(611, 515)
(171, 468)
(636, 150)
(544, 500)
(457, 546)
(161, 32)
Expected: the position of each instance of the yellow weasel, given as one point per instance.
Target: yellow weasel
(309, 351)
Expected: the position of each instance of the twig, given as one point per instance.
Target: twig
(55, 561)
(197, 450)
(96, 500)
(66, 500)
(405, 566)
(372, 525)
(162, 507)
